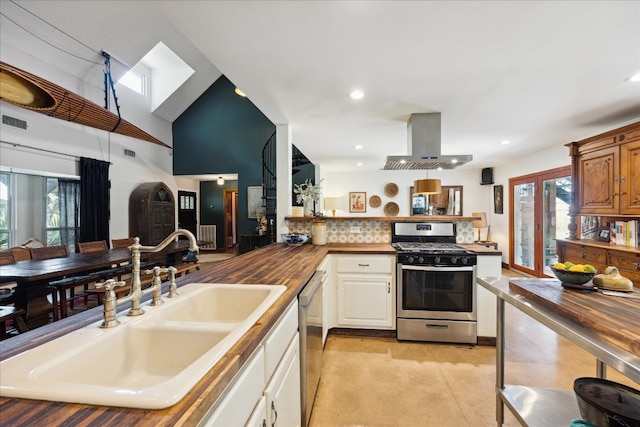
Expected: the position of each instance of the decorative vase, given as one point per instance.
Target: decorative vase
(308, 207)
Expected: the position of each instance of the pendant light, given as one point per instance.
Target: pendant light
(220, 180)
(427, 186)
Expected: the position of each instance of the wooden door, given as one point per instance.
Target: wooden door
(230, 218)
(630, 178)
(539, 214)
(187, 218)
(598, 182)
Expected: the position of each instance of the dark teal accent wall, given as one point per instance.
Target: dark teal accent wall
(222, 132)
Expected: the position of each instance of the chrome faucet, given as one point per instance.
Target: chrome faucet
(136, 293)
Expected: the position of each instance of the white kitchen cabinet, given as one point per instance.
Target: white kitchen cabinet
(283, 391)
(365, 291)
(270, 375)
(258, 417)
(488, 266)
(241, 396)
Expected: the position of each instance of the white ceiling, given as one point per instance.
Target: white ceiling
(535, 73)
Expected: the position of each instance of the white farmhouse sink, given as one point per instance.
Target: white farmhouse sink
(149, 361)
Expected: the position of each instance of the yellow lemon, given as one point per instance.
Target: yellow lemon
(577, 267)
(559, 266)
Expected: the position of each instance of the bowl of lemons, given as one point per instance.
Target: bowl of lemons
(577, 274)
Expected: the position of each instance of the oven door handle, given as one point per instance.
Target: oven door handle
(436, 268)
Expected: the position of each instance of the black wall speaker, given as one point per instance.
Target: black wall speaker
(487, 176)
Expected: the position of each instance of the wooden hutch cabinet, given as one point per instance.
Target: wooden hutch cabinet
(151, 213)
(606, 180)
(606, 171)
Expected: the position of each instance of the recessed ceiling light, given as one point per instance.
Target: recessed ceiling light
(240, 93)
(356, 94)
(403, 161)
(359, 164)
(505, 142)
(439, 168)
(454, 161)
(358, 147)
(633, 79)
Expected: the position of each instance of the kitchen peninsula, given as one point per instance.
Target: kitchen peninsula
(276, 264)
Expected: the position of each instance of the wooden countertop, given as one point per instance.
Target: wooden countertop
(614, 319)
(480, 249)
(275, 264)
(414, 218)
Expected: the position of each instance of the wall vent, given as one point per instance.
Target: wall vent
(129, 153)
(12, 121)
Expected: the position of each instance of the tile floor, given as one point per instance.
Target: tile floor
(378, 382)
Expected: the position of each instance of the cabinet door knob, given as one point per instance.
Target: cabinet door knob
(637, 264)
(388, 287)
(583, 254)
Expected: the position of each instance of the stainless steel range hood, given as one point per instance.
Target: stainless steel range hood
(423, 143)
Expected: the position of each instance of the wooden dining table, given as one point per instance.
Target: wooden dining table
(33, 276)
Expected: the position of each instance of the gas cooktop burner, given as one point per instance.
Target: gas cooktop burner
(429, 247)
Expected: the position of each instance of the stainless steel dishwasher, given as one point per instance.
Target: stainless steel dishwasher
(311, 319)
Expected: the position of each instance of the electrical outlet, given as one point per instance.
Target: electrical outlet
(355, 229)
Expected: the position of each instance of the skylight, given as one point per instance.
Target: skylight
(159, 74)
(168, 73)
(135, 80)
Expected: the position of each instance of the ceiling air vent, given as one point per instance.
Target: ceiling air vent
(12, 121)
(129, 153)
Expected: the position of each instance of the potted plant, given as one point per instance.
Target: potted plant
(308, 194)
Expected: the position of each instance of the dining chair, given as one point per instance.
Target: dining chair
(95, 246)
(85, 248)
(49, 252)
(20, 253)
(6, 257)
(6, 288)
(121, 243)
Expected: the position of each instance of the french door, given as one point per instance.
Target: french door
(539, 213)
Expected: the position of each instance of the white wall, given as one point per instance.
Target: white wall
(476, 197)
(152, 162)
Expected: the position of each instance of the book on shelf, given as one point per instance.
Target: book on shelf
(625, 233)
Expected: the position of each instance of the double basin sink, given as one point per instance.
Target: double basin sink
(149, 361)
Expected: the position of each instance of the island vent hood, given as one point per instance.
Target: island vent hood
(423, 144)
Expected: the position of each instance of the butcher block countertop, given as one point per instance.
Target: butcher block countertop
(612, 318)
(275, 264)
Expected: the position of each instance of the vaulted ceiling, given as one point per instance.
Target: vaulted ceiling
(535, 73)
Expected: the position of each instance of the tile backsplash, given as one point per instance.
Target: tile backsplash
(369, 231)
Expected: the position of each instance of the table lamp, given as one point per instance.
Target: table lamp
(333, 203)
(479, 223)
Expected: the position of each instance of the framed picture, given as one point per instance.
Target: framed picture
(357, 201)
(254, 200)
(497, 199)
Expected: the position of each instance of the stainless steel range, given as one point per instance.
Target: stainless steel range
(436, 284)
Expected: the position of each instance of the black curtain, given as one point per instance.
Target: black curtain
(94, 200)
